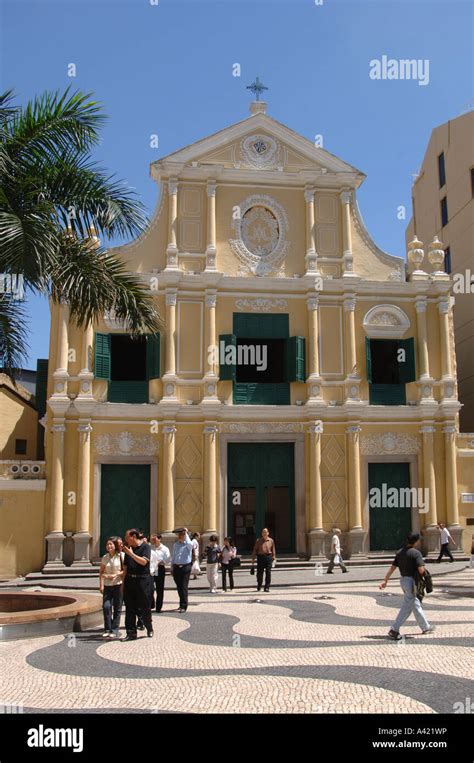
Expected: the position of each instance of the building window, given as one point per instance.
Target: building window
(444, 211)
(472, 182)
(447, 260)
(128, 364)
(20, 447)
(441, 170)
(390, 366)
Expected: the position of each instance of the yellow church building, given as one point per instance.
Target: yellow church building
(301, 371)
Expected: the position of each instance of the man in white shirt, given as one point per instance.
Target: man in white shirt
(444, 538)
(336, 557)
(160, 556)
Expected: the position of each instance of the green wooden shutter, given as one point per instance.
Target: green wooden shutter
(128, 392)
(295, 359)
(153, 356)
(41, 386)
(102, 356)
(368, 359)
(406, 370)
(270, 326)
(387, 394)
(226, 371)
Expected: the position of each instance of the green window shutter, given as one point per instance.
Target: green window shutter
(102, 356)
(295, 359)
(226, 371)
(387, 394)
(369, 359)
(270, 326)
(241, 393)
(41, 386)
(407, 371)
(153, 356)
(261, 394)
(128, 392)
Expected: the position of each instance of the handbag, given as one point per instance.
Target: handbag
(235, 562)
(252, 570)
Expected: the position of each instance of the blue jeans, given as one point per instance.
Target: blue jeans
(112, 597)
(410, 604)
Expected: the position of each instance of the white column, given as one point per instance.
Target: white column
(172, 248)
(311, 255)
(447, 377)
(429, 484)
(85, 375)
(168, 478)
(61, 375)
(211, 249)
(169, 377)
(314, 379)
(316, 534)
(82, 535)
(425, 382)
(211, 376)
(210, 465)
(55, 536)
(356, 531)
(452, 497)
(348, 269)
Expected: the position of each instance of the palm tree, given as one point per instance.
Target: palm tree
(52, 195)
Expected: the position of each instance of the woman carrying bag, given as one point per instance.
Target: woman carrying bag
(228, 561)
(111, 579)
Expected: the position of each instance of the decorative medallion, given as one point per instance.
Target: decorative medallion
(261, 305)
(260, 235)
(260, 151)
(125, 443)
(261, 428)
(390, 443)
(386, 321)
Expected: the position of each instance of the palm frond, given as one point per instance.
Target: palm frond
(13, 334)
(94, 282)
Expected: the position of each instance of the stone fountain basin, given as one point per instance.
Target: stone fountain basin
(24, 614)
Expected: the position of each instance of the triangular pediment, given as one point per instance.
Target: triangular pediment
(261, 143)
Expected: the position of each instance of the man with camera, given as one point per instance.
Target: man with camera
(136, 588)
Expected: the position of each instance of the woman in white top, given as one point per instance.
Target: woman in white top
(196, 568)
(111, 580)
(228, 554)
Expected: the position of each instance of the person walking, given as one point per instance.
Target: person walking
(336, 557)
(160, 557)
(410, 562)
(228, 554)
(212, 553)
(444, 538)
(181, 562)
(265, 551)
(136, 589)
(196, 568)
(110, 583)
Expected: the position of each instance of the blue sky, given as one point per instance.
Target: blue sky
(166, 69)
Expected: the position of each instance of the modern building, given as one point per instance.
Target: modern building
(443, 206)
(298, 370)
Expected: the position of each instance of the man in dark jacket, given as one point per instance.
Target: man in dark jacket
(408, 560)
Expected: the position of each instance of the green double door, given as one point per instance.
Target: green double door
(261, 494)
(124, 499)
(389, 524)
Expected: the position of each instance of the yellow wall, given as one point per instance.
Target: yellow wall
(19, 421)
(22, 532)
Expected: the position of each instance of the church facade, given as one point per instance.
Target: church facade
(301, 370)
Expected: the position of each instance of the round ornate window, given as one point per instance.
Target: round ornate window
(260, 242)
(260, 231)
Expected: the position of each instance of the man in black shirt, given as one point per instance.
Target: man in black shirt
(136, 587)
(409, 561)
